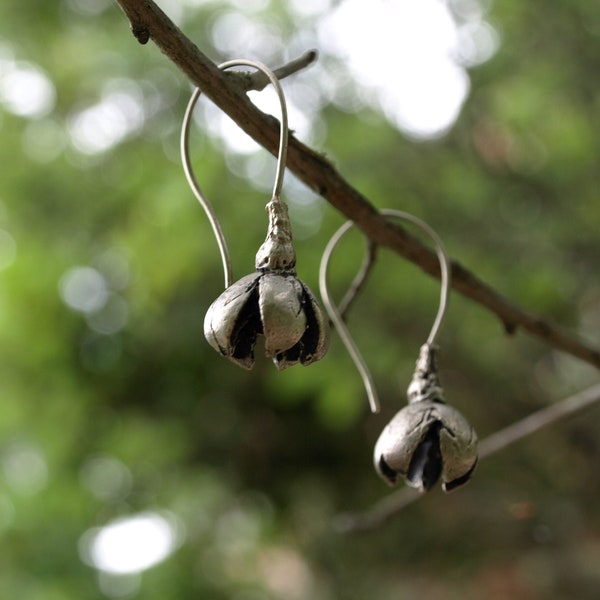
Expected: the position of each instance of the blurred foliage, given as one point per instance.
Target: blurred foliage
(111, 402)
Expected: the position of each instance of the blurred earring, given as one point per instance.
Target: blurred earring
(271, 302)
(427, 439)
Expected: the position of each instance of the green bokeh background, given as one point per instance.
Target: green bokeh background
(99, 421)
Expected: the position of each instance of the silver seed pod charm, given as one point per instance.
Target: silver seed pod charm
(271, 302)
(427, 439)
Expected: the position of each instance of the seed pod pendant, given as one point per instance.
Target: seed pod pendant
(272, 302)
(427, 439)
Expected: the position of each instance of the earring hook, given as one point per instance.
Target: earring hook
(335, 315)
(189, 173)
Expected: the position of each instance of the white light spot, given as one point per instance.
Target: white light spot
(236, 139)
(308, 8)
(413, 68)
(238, 34)
(248, 6)
(26, 91)
(103, 125)
(477, 43)
(131, 544)
(433, 104)
(469, 10)
(83, 289)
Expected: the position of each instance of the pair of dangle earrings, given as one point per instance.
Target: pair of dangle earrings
(427, 439)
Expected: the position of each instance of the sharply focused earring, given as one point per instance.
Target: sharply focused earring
(271, 302)
(427, 439)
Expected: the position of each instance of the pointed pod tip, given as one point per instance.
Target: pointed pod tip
(450, 486)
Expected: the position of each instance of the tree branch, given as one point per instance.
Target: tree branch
(150, 22)
(360, 279)
(390, 505)
(258, 80)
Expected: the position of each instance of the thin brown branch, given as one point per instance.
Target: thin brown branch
(385, 509)
(360, 279)
(149, 22)
(258, 80)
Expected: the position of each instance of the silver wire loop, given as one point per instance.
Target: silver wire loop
(189, 173)
(334, 313)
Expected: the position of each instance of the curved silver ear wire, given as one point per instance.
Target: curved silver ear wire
(336, 318)
(272, 302)
(444, 267)
(334, 313)
(189, 173)
(427, 439)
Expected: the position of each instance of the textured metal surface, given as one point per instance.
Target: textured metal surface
(425, 383)
(277, 252)
(281, 312)
(232, 322)
(427, 439)
(272, 302)
(315, 340)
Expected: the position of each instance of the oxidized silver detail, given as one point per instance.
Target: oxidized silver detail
(277, 252)
(425, 383)
(427, 439)
(272, 302)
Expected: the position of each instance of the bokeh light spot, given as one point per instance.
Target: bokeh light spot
(106, 477)
(24, 467)
(111, 317)
(83, 289)
(477, 43)
(26, 91)
(117, 115)
(414, 68)
(132, 544)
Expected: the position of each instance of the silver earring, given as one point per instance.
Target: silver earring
(427, 439)
(271, 302)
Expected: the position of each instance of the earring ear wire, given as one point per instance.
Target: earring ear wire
(336, 317)
(272, 301)
(189, 172)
